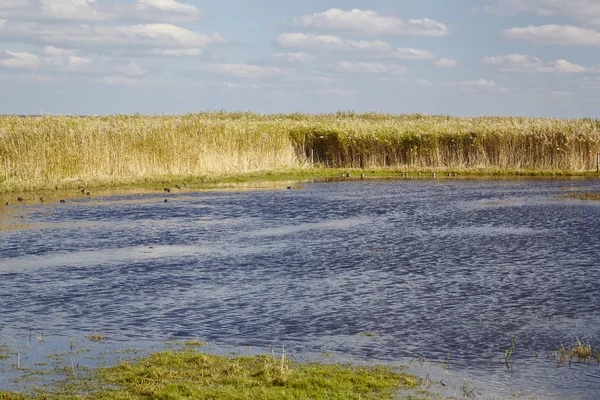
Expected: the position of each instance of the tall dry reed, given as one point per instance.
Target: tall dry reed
(47, 151)
(415, 141)
(57, 150)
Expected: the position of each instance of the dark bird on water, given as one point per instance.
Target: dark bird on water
(289, 188)
(62, 201)
(167, 190)
(166, 200)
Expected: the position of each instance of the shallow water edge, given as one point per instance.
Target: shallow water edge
(274, 179)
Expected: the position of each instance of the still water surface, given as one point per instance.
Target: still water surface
(431, 267)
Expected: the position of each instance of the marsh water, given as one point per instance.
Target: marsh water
(380, 270)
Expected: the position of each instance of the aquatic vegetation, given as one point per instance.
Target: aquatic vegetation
(195, 343)
(584, 196)
(445, 362)
(4, 352)
(582, 352)
(96, 337)
(508, 352)
(469, 390)
(63, 151)
(189, 374)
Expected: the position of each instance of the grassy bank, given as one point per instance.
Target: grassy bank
(192, 375)
(62, 152)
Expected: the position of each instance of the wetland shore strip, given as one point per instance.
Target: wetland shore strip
(60, 152)
(184, 372)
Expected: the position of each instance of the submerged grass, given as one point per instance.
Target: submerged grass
(96, 337)
(188, 374)
(584, 196)
(63, 152)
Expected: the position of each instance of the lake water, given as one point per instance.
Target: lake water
(431, 268)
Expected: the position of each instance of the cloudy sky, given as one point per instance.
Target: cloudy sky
(458, 57)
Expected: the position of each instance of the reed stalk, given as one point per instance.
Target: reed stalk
(62, 151)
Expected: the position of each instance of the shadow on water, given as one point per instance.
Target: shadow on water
(379, 270)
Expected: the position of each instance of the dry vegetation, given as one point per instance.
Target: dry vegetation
(58, 151)
(582, 352)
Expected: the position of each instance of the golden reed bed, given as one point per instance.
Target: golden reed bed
(64, 151)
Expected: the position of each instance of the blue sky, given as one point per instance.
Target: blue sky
(460, 57)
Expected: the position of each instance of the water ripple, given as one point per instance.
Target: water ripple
(429, 267)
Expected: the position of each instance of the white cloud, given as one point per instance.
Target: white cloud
(190, 52)
(19, 61)
(529, 64)
(445, 63)
(427, 27)
(118, 81)
(108, 37)
(56, 51)
(584, 10)
(330, 43)
(154, 10)
(55, 10)
(230, 85)
(69, 63)
(62, 26)
(370, 68)
(518, 63)
(131, 69)
(250, 71)
(302, 41)
(424, 82)
(62, 62)
(590, 83)
(407, 53)
(568, 68)
(480, 84)
(322, 77)
(556, 35)
(508, 7)
(26, 78)
(337, 92)
(91, 10)
(370, 23)
(167, 6)
(294, 57)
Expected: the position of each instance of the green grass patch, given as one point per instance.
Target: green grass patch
(188, 374)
